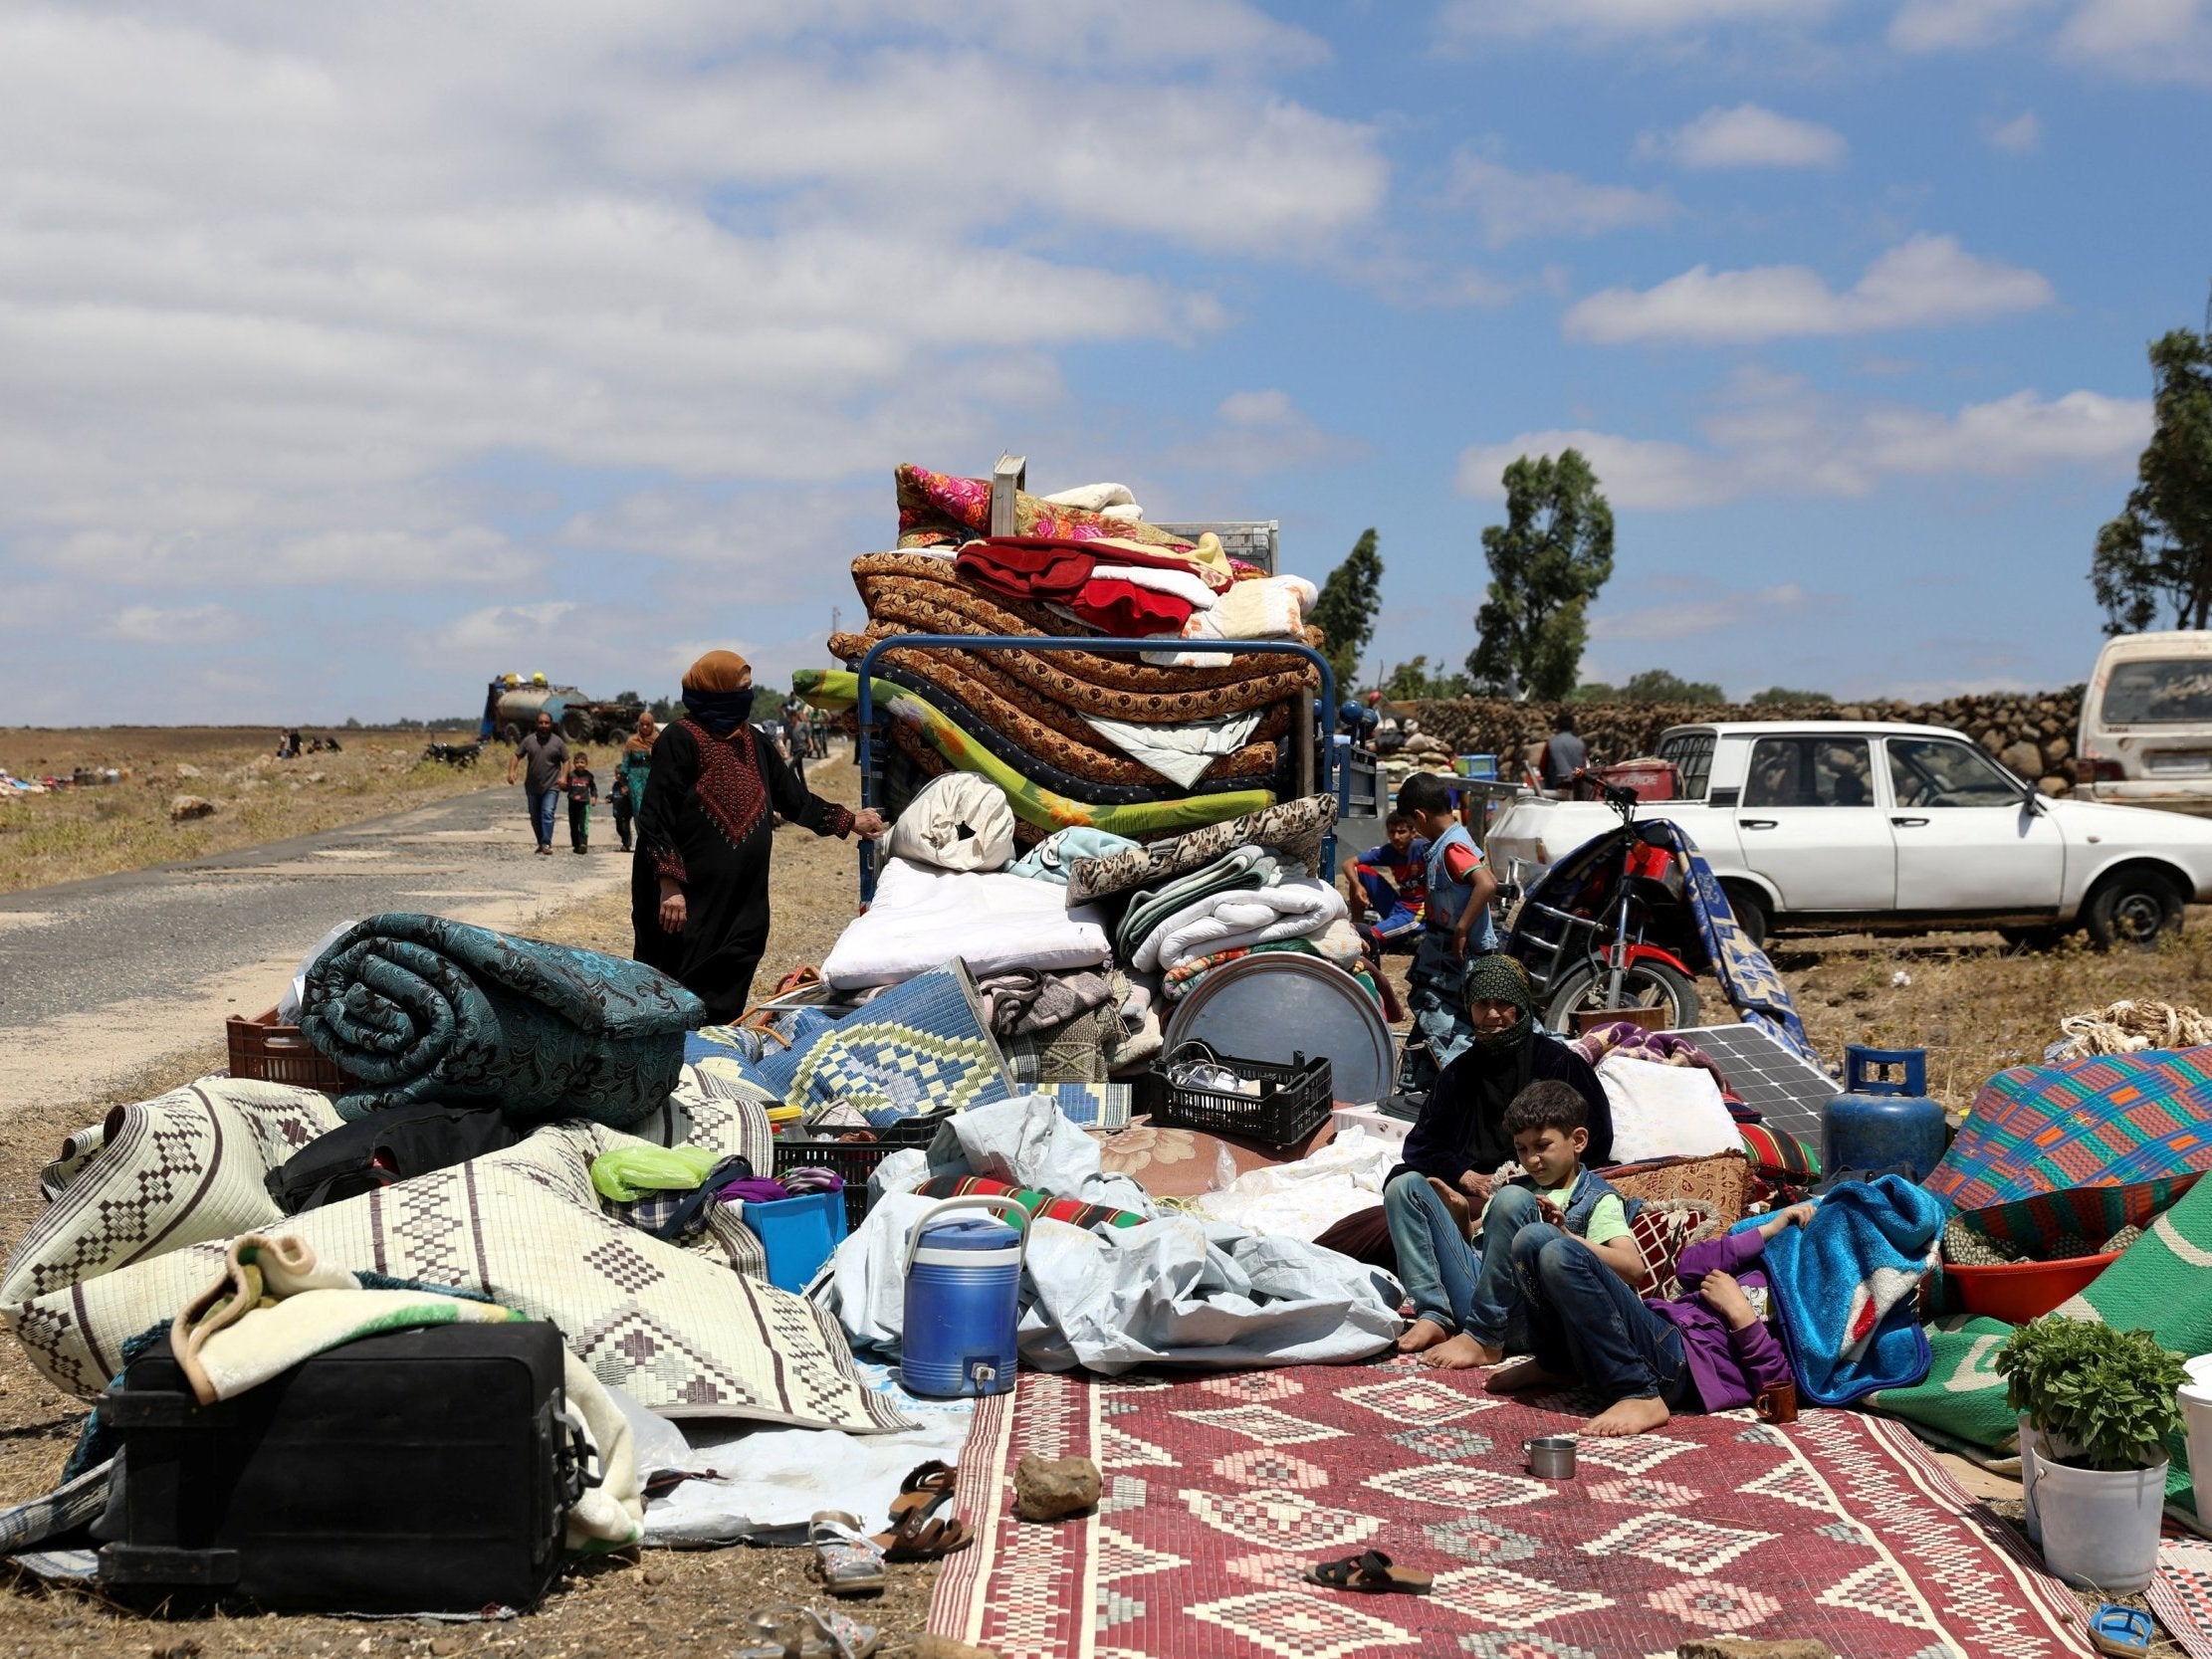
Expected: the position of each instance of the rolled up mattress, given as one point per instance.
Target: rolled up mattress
(421, 1008)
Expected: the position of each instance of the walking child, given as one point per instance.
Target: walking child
(618, 798)
(583, 789)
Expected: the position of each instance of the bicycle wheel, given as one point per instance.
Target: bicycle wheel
(1645, 984)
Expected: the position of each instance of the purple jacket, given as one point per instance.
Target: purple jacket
(1730, 1368)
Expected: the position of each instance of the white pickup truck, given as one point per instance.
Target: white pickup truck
(1832, 826)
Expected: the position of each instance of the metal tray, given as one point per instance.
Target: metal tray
(1278, 1004)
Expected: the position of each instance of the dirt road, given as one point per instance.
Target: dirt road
(101, 979)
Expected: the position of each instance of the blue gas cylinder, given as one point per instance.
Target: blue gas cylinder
(963, 1298)
(1876, 1123)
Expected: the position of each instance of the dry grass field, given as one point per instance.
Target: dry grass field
(94, 831)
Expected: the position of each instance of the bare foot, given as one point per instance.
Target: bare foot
(1462, 1353)
(1524, 1376)
(1625, 1417)
(1455, 1204)
(1425, 1333)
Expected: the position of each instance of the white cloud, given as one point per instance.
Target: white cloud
(1605, 19)
(185, 625)
(498, 631)
(280, 287)
(1515, 206)
(1684, 607)
(1747, 135)
(2022, 136)
(1771, 438)
(2143, 40)
(1958, 25)
(1924, 283)
(1261, 432)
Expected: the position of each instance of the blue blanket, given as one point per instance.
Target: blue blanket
(922, 1045)
(420, 1008)
(1847, 1286)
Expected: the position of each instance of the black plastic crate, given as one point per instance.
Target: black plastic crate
(856, 1161)
(1292, 1098)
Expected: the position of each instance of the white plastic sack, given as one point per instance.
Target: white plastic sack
(960, 821)
(1665, 1110)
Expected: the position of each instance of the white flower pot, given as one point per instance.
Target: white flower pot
(2099, 1527)
(2030, 1443)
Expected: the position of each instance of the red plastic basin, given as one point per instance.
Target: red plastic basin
(2018, 1292)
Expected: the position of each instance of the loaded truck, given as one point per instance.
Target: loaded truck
(512, 704)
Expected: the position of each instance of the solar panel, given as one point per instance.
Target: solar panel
(1783, 1087)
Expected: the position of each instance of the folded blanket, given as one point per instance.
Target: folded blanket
(1272, 607)
(1026, 569)
(1182, 752)
(1049, 860)
(923, 918)
(1294, 909)
(1037, 1204)
(420, 1008)
(1847, 1286)
(956, 823)
(1292, 830)
(1046, 808)
(1027, 1001)
(1185, 584)
(1151, 909)
(1127, 610)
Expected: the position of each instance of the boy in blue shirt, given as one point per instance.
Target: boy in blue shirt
(1390, 883)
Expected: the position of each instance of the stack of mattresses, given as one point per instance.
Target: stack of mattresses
(1138, 745)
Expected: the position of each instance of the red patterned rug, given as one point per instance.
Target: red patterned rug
(1219, 1491)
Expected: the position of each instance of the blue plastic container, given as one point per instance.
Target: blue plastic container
(1476, 767)
(1876, 1122)
(963, 1297)
(798, 1234)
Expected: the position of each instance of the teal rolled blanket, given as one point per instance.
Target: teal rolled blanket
(420, 1008)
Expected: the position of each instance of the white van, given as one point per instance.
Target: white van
(2147, 724)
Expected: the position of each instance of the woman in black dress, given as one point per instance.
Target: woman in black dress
(699, 886)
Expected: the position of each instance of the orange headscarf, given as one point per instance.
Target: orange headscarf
(716, 670)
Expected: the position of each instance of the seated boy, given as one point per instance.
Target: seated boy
(1391, 881)
(1709, 1347)
(1455, 1288)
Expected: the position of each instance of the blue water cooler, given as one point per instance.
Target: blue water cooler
(1878, 1122)
(962, 1300)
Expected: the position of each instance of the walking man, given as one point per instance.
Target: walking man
(545, 756)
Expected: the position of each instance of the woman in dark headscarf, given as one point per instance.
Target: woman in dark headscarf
(699, 886)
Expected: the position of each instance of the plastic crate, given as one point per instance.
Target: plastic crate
(267, 1052)
(797, 1233)
(856, 1161)
(1291, 1103)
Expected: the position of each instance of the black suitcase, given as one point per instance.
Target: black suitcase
(422, 1471)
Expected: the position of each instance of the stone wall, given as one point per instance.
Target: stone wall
(2030, 731)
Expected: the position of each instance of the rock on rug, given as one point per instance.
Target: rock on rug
(1220, 1490)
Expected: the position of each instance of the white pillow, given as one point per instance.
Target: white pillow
(1665, 1110)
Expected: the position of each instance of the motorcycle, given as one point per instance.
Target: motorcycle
(1612, 927)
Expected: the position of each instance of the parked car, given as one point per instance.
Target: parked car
(2145, 738)
(1832, 826)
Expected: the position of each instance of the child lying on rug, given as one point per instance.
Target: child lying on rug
(1555, 1199)
(1709, 1347)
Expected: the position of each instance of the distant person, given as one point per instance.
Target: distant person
(582, 789)
(1563, 756)
(636, 761)
(545, 756)
(288, 745)
(1456, 919)
(620, 803)
(699, 884)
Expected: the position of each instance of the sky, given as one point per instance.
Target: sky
(352, 354)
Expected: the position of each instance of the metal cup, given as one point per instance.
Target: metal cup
(1551, 1457)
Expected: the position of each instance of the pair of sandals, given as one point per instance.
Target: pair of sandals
(852, 1561)
(795, 1632)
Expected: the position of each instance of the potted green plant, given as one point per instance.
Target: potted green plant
(2096, 1405)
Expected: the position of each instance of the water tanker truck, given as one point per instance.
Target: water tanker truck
(512, 704)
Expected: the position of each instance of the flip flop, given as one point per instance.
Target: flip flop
(1372, 1574)
(2121, 1631)
(852, 1562)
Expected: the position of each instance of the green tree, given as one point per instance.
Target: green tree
(1782, 697)
(1344, 612)
(1413, 680)
(1547, 562)
(1593, 691)
(2160, 549)
(1656, 684)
